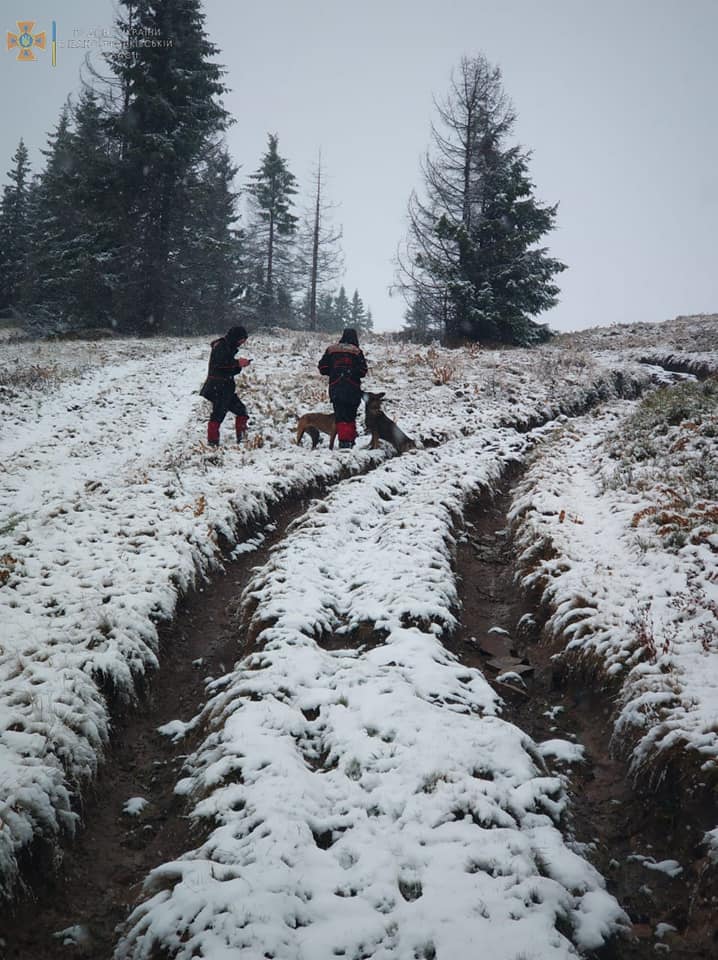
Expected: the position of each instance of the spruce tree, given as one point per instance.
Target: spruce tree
(206, 264)
(170, 112)
(342, 310)
(15, 231)
(326, 315)
(74, 255)
(55, 226)
(472, 257)
(92, 263)
(359, 318)
(273, 227)
(284, 313)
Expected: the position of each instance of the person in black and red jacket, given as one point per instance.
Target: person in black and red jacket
(345, 366)
(218, 388)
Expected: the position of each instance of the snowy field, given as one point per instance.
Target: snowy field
(362, 800)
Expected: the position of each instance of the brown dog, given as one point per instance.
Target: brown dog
(381, 427)
(314, 424)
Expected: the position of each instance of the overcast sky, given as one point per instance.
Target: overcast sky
(616, 99)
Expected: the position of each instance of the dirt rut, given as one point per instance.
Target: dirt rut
(624, 829)
(105, 866)
(103, 869)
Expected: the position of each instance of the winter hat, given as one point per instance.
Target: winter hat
(350, 336)
(235, 335)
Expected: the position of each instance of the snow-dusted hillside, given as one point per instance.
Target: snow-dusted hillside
(689, 335)
(335, 784)
(618, 519)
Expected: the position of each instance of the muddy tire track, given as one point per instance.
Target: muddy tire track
(104, 866)
(616, 821)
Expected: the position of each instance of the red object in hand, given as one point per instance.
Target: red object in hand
(243, 362)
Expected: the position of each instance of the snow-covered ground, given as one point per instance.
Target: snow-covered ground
(337, 784)
(618, 520)
(682, 336)
(370, 802)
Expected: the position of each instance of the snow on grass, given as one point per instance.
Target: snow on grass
(618, 521)
(704, 364)
(688, 345)
(366, 800)
(683, 335)
(111, 507)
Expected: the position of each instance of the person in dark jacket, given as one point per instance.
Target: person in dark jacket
(218, 388)
(345, 366)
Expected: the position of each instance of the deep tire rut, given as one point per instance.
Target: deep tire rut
(616, 821)
(103, 869)
(104, 866)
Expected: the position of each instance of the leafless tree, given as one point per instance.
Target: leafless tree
(319, 256)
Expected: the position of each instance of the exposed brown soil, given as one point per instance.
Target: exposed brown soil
(104, 867)
(615, 820)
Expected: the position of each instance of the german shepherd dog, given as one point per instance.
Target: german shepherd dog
(381, 427)
(314, 424)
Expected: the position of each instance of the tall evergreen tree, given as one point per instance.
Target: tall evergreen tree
(93, 263)
(272, 188)
(15, 231)
(206, 261)
(55, 225)
(342, 309)
(472, 257)
(326, 316)
(73, 254)
(359, 317)
(170, 112)
(284, 313)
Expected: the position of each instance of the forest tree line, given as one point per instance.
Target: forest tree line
(136, 223)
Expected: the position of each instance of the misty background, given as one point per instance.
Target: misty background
(616, 102)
